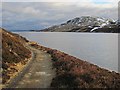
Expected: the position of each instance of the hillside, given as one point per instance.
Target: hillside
(14, 54)
(85, 24)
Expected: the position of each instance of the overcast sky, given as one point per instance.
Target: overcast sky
(38, 15)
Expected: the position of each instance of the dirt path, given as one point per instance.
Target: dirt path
(40, 73)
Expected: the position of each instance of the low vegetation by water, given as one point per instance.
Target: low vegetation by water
(73, 72)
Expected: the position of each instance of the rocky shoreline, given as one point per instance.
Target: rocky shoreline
(72, 72)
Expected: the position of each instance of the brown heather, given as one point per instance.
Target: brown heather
(13, 52)
(73, 72)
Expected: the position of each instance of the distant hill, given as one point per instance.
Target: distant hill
(13, 52)
(85, 24)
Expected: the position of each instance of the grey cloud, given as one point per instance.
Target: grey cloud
(33, 15)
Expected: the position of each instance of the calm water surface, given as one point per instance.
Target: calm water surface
(98, 48)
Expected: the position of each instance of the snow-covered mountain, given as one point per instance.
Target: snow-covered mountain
(85, 24)
(90, 21)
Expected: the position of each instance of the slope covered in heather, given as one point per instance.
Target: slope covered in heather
(72, 72)
(13, 52)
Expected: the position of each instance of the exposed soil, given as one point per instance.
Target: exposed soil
(16, 55)
(40, 73)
